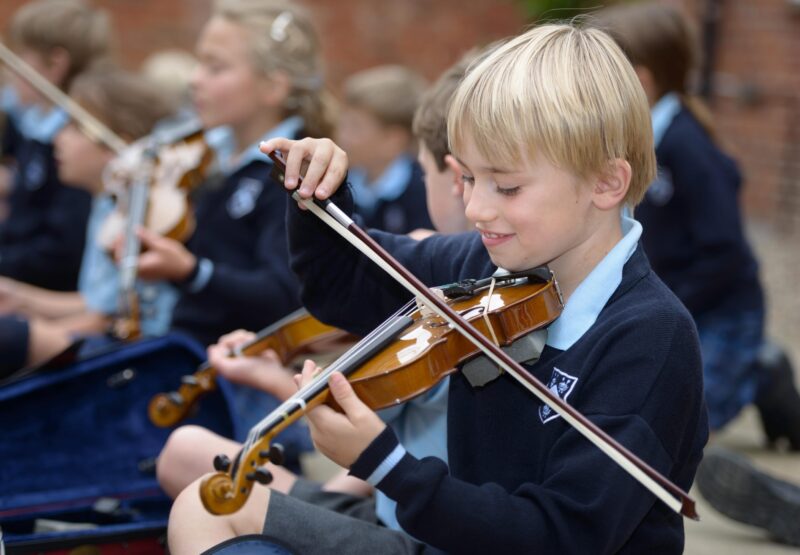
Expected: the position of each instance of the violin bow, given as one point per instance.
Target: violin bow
(93, 127)
(660, 486)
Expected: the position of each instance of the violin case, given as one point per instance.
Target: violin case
(77, 450)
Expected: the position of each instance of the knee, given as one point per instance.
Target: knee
(172, 462)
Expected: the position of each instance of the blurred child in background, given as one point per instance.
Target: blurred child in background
(41, 241)
(44, 322)
(375, 130)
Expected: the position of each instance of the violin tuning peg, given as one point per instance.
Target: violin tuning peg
(189, 380)
(260, 475)
(222, 463)
(276, 454)
(175, 398)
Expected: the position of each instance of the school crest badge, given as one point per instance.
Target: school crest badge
(243, 200)
(661, 190)
(561, 385)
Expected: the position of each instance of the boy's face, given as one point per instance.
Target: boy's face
(528, 215)
(27, 94)
(444, 194)
(224, 84)
(367, 141)
(80, 160)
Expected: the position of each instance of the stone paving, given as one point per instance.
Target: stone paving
(779, 255)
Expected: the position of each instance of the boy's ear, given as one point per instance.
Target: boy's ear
(454, 167)
(611, 186)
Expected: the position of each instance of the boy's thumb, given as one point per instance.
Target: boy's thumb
(344, 395)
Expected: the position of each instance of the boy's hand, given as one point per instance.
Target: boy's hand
(341, 437)
(163, 258)
(327, 165)
(264, 371)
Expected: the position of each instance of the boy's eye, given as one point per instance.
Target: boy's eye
(467, 179)
(508, 191)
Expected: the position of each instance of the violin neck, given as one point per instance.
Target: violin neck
(311, 395)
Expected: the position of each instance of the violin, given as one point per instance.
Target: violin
(294, 335)
(407, 355)
(151, 182)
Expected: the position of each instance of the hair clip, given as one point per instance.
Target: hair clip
(278, 29)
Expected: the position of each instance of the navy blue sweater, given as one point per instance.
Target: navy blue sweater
(41, 241)
(407, 212)
(514, 483)
(241, 228)
(693, 232)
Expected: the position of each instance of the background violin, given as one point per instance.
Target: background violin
(151, 181)
(294, 335)
(406, 356)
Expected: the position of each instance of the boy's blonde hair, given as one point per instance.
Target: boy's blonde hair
(128, 103)
(282, 38)
(84, 32)
(566, 92)
(390, 93)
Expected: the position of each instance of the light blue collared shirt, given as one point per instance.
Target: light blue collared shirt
(9, 103)
(421, 428)
(662, 115)
(98, 281)
(40, 125)
(589, 298)
(421, 424)
(388, 187)
(222, 141)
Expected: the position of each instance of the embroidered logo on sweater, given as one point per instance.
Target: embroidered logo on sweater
(561, 385)
(243, 200)
(661, 190)
(35, 173)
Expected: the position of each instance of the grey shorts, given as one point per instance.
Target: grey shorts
(310, 521)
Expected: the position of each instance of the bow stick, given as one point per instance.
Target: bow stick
(672, 495)
(94, 128)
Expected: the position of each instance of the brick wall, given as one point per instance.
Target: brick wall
(756, 98)
(428, 35)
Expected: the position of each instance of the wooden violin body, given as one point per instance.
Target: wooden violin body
(388, 368)
(151, 181)
(290, 337)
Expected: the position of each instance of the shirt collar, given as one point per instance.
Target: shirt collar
(222, 141)
(589, 298)
(40, 125)
(389, 186)
(662, 115)
(9, 102)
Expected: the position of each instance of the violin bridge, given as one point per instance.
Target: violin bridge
(423, 309)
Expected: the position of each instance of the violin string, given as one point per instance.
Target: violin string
(283, 410)
(299, 399)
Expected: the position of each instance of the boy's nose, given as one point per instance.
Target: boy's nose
(478, 205)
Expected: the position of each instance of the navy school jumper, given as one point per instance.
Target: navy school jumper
(705, 260)
(241, 229)
(518, 482)
(42, 239)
